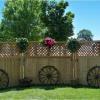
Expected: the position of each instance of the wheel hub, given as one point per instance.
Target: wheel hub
(49, 76)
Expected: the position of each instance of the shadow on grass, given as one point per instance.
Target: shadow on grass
(8, 89)
(45, 87)
(52, 87)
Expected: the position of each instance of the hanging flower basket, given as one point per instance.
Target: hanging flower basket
(73, 45)
(22, 44)
(49, 42)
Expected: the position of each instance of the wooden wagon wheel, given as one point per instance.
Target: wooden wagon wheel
(4, 79)
(93, 77)
(49, 75)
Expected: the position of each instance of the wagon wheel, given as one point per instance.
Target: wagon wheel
(4, 79)
(93, 77)
(49, 75)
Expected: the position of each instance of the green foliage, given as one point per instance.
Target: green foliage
(21, 17)
(58, 22)
(22, 44)
(73, 45)
(37, 34)
(85, 34)
(5, 34)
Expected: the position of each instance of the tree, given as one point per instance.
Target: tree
(85, 35)
(21, 17)
(58, 22)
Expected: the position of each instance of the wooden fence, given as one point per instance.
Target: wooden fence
(38, 56)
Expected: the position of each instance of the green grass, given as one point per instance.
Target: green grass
(49, 93)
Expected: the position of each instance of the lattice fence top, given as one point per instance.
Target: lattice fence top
(8, 49)
(59, 49)
(37, 49)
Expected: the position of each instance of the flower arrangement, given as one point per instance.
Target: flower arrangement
(49, 42)
(22, 44)
(73, 45)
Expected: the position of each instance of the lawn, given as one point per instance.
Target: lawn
(49, 93)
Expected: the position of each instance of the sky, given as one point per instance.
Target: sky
(87, 15)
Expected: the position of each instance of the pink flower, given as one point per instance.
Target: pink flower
(49, 42)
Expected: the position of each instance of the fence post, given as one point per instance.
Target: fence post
(75, 69)
(22, 66)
